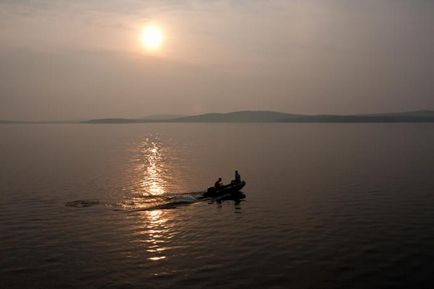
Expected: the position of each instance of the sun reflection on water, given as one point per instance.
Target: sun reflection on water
(158, 233)
(153, 170)
(150, 175)
(149, 188)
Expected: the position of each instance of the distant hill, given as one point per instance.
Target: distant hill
(151, 118)
(258, 117)
(161, 117)
(415, 113)
(272, 116)
(238, 116)
(409, 116)
(113, 120)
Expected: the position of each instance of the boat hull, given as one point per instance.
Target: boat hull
(233, 188)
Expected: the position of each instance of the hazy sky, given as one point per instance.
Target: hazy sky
(83, 59)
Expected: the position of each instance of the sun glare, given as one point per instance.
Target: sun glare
(152, 37)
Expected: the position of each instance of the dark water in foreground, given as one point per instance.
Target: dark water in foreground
(328, 206)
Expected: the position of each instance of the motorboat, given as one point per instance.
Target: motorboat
(227, 190)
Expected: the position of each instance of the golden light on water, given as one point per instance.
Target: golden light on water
(153, 181)
(158, 234)
(150, 170)
(153, 228)
(149, 176)
(152, 37)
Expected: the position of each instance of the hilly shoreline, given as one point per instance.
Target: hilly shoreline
(419, 116)
(280, 117)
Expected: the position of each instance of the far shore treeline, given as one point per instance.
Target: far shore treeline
(261, 117)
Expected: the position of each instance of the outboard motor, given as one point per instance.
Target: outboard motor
(210, 192)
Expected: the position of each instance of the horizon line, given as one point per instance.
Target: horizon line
(154, 117)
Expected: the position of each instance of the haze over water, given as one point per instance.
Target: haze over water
(86, 59)
(327, 206)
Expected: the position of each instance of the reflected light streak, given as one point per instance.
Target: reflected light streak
(157, 233)
(150, 187)
(152, 178)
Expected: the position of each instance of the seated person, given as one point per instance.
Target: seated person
(237, 177)
(218, 184)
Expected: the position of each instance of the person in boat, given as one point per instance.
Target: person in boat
(218, 184)
(237, 177)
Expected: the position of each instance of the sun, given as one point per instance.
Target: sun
(152, 37)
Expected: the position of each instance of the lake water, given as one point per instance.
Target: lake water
(113, 206)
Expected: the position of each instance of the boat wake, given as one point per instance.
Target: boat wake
(152, 202)
(83, 203)
(143, 203)
(168, 203)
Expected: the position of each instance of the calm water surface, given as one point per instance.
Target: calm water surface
(113, 206)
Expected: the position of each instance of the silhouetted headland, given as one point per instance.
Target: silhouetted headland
(258, 117)
(150, 118)
(272, 116)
